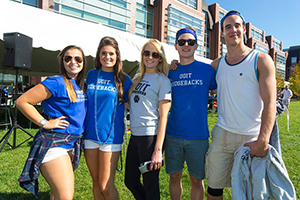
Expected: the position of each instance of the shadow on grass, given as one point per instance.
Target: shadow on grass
(23, 196)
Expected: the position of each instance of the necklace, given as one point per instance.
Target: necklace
(235, 58)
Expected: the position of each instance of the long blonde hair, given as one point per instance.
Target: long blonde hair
(162, 66)
(118, 68)
(80, 77)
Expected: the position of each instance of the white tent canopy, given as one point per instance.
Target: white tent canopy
(51, 32)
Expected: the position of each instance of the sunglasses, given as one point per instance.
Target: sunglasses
(155, 55)
(78, 59)
(190, 42)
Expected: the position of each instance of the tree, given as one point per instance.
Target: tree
(295, 80)
(279, 81)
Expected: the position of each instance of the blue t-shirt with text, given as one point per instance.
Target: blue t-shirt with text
(59, 104)
(190, 90)
(100, 117)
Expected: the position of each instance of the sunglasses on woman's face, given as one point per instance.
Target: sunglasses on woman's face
(78, 59)
(190, 42)
(155, 55)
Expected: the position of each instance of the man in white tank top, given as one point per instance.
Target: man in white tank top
(246, 104)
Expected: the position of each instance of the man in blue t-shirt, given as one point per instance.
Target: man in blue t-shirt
(187, 130)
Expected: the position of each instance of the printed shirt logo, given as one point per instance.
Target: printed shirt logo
(186, 80)
(136, 98)
(80, 96)
(141, 88)
(103, 84)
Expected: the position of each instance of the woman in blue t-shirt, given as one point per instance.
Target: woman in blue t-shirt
(56, 146)
(107, 92)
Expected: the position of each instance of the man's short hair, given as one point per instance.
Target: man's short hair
(232, 12)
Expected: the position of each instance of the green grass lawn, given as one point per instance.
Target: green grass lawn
(12, 161)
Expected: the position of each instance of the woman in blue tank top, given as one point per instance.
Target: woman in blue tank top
(56, 146)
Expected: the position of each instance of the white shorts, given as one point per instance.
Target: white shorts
(55, 152)
(88, 144)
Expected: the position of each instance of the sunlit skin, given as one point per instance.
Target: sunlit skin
(186, 52)
(233, 30)
(150, 62)
(72, 67)
(108, 58)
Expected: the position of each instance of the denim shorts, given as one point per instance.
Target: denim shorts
(178, 150)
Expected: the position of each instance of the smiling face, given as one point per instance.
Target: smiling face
(149, 61)
(108, 57)
(186, 51)
(233, 30)
(73, 66)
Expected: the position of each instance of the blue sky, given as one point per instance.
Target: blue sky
(280, 18)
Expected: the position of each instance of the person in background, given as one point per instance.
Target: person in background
(56, 146)
(150, 101)
(20, 88)
(26, 88)
(246, 99)
(187, 129)
(287, 94)
(4, 95)
(107, 91)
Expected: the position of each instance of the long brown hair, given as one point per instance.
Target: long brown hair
(118, 69)
(162, 66)
(80, 77)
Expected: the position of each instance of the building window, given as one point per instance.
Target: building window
(276, 44)
(294, 60)
(206, 49)
(261, 48)
(280, 64)
(112, 13)
(144, 19)
(177, 19)
(34, 3)
(256, 34)
(222, 13)
(190, 3)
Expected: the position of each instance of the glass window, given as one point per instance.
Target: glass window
(118, 24)
(190, 3)
(34, 3)
(144, 19)
(96, 18)
(143, 2)
(114, 13)
(119, 3)
(31, 2)
(97, 3)
(261, 48)
(97, 11)
(294, 60)
(71, 11)
(221, 15)
(140, 6)
(140, 15)
(179, 19)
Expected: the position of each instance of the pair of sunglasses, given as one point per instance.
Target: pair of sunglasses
(78, 59)
(190, 42)
(155, 55)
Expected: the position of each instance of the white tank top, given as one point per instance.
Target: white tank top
(239, 101)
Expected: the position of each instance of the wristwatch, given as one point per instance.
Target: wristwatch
(43, 122)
